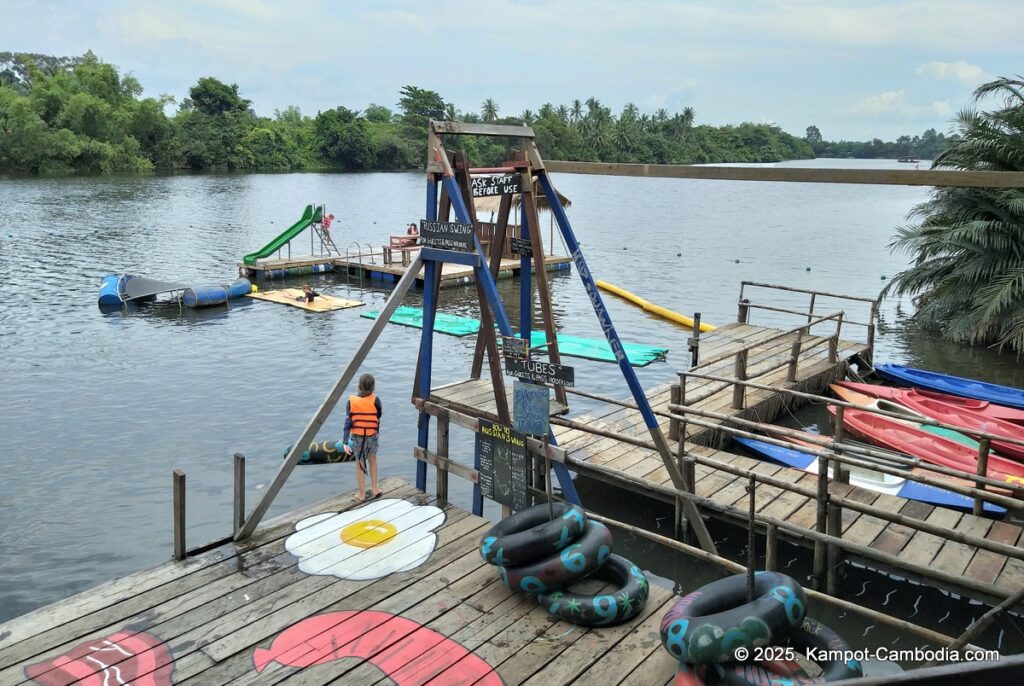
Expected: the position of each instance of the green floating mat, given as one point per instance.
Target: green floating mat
(571, 346)
(451, 324)
(639, 355)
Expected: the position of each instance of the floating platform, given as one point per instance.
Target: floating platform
(295, 298)
(275, 608)
(374, 269)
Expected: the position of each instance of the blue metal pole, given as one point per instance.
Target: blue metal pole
(431, 214)
(595, 299)
(525, 284)
(431, 270)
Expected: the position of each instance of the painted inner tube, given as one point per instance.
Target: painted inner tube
(561, 568)
(814, 634)
(713, 621)
(618, 605)
(323, 452)
(768, 673)
(531, 535)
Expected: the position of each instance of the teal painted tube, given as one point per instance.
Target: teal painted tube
(205, 296)
(323, 452)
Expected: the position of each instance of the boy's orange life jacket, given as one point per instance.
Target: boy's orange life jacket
(363, 410)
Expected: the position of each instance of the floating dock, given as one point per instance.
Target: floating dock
(373, 268)
(253, 612)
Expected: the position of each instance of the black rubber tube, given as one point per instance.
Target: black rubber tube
(532, 535)
(619, 605)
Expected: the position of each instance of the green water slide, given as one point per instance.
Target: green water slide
(309, 217)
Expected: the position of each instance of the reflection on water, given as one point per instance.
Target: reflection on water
(98, 408)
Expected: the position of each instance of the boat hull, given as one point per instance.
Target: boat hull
(957, 385)
(896, 394)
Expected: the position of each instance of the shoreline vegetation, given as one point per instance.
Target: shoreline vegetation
(80, 115)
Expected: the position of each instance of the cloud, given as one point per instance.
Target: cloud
(889, 102)
(957, 71)
(942, 108)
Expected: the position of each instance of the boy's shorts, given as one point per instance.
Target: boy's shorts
(363, 446)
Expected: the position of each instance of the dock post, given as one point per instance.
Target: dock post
(694, 341)
(983, 450)
(835, 528)
(840, 425)
(178, 481)
(751, 539)
(771, 544)
(794, 356)
(744, 311)
(239, 491)
(442, 450)
(810, 310)
(833, 342)
(738, 389)
(821, 524)
(675, 394)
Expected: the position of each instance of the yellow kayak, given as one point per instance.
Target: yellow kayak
(652, 308)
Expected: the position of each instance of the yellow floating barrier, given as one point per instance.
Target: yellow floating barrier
(652, 308)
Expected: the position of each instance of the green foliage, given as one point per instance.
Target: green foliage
(968, 273)
(927, 146)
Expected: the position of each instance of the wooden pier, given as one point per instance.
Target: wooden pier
(247, 612)
(373, 268)
(960, 552)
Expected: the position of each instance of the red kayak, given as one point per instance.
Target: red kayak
(909, 439)
(944, 412)
(1008, 414)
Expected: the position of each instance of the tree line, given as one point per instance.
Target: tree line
(927, 146)
(63, 115)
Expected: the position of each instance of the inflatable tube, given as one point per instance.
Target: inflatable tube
(768, 673)
(323, 452)
(295, 271)
(530, 535)
(814, 634)
(111, 289)
(562, 568)
(619, 605)
(652, 308)
(713, 621)
(205, 296)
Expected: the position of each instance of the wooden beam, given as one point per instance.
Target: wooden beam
(324, 411)
(500, 231)
(239, 517)
(883, 177)
(178, 481)
(467, 129)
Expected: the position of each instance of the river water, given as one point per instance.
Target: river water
(97, 409)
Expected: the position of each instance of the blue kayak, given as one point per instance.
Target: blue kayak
(873, 481)
(957, 385)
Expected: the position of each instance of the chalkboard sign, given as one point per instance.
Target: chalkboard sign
(513, 346)
(521, 246)
(542, 372)
(505, 184)
(504, 465)
(530, 408)
(447, 235)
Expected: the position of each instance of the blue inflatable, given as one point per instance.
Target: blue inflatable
(205, 296)
(111, 289)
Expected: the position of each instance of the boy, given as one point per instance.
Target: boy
(362, 425)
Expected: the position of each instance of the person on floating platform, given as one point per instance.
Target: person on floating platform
(308, 294)
(362, 426)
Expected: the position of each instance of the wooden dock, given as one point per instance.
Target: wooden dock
(373, 268)
(612, 445)
(250, 613)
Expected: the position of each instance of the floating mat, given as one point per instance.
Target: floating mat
(571, 346)
(639, 355)
(451, 324)
(294, 297)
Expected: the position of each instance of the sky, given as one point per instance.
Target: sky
(857, 70)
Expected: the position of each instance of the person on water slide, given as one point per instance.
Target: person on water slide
(325, 224)
(362, 425)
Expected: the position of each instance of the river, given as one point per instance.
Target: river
(97, 409)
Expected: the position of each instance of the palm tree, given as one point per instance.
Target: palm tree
(593, 106)
(563, 113)
(661, 116)
(968, 273)
(688, 115)
(547, 110)
(623, 137)
(489, 110)
(527, 117)
(577, 111)
(450, 113)
(644, 122)
(630, 112)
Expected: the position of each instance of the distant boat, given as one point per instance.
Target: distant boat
(909, 158)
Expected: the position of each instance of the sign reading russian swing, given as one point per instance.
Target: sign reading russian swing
(504, 464)
(446, 235)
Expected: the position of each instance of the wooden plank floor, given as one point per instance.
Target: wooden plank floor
(767, 364)
(392, 591)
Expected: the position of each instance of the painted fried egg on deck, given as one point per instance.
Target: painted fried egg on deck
(369, 542)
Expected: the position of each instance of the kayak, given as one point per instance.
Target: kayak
(1009, 414)
(915, 441)
(957, 385)
(947, 414)
(873, 481)
(873, 403)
